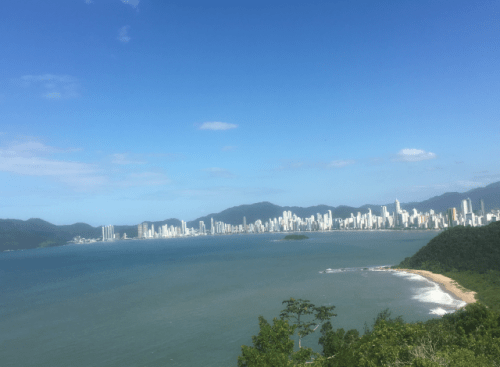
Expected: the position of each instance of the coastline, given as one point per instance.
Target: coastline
(449, 285)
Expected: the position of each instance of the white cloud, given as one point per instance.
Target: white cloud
(52, 86)
(340, 163)
(414, 155)
(217, 126)
(88, 1)
(123, 34)
(217, 172)
(31, 159)
(228, 148)
(133, 3)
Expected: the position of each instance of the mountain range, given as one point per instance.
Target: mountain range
(32, 233)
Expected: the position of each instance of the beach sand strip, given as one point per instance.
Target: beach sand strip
(448, 284)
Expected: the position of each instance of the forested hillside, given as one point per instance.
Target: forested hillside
(461, 248)
(471, 256)
(33, 233)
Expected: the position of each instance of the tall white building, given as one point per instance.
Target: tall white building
(398, 206)
(108, 233)
(464, 207)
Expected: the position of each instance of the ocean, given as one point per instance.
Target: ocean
(194, 301)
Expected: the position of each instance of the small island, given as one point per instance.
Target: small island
(295, 237)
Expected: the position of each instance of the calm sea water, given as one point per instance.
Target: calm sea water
(195, 301)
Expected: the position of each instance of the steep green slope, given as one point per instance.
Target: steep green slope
(460, 249)
(471, 256)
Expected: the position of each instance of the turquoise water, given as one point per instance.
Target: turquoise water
(195, 301)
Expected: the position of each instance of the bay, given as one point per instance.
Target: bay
(195, 301)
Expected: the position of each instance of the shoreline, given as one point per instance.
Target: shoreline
(448, 284)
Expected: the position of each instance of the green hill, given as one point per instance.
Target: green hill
(461, 248)
(471, 256)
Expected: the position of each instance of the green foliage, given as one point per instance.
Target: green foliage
(300, 308)
(48, 243)
(476, 249)
(468, 337)
(487, 285)
(469, 255)
(272, 347)
(334, 342)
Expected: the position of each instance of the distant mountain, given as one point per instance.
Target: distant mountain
(132, 230)
(266, 210)
(490, 194)
(18, 234)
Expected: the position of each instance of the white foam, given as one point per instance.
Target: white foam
(333, 271)
(432, 293)
(439, 311)
(410, 276)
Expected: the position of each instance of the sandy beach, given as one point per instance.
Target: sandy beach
(448, 284)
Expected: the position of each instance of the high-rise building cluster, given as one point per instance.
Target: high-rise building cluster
(108, 233)
(290, 222)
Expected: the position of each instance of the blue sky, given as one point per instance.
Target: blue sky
(116, 112)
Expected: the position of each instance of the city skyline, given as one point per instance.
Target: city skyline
(116, 111)
(290, 222)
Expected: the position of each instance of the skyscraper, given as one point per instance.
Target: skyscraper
(469, 205)
(245, 224)
(139, 231)
(398, 206)
(483, 212)
(464, 207)
(452, 216)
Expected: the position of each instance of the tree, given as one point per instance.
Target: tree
(271, 347)
(300, 308)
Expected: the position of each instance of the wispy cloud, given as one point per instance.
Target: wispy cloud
(216, 172)
(228, 148)
(88, 1)
(123, 34)
(32, 159)
(133, 3)
(52, 86)
(414, 155)
(217, 126)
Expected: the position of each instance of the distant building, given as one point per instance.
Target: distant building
(452, 216)
(108, 233)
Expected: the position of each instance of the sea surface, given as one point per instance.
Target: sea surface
(195, 301)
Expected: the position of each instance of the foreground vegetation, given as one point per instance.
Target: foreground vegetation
(468, 337)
